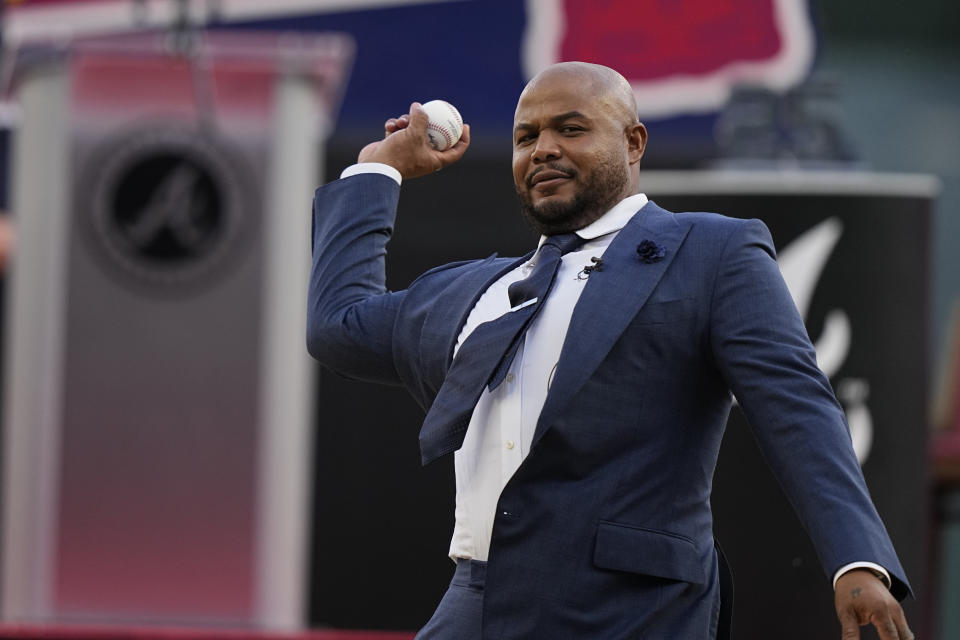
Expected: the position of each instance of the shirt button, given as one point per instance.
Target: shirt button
(509, 377)
(509, 444)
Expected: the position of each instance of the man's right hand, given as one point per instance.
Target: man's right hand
(406, 148)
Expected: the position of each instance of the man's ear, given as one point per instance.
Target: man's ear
(636, 141)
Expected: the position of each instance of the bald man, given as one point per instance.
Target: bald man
(584, 388)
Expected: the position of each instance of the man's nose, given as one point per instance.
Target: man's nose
(547, 147)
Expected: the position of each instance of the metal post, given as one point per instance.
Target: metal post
(34, 347)
(287, 376)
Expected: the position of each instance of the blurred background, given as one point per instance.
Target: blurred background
(170, 456)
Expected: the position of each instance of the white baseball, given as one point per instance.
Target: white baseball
(445, 126)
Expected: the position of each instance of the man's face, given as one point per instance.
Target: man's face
(570, 161)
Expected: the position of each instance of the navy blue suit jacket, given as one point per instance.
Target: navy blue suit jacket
(605, 531)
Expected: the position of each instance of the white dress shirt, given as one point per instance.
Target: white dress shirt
(503, 422)
(501, 428)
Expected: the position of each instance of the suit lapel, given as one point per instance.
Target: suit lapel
(445, 320)
(614, 295)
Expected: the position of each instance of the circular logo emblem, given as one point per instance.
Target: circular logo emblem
(167, 205)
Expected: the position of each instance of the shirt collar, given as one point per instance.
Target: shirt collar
(613, 220)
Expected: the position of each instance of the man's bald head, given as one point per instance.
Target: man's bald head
(596, 82)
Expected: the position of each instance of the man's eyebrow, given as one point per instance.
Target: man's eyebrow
(567, 116)
(561, 117)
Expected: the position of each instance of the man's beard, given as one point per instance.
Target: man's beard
(604, 189)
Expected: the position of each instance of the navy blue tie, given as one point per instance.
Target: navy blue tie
(486, 355)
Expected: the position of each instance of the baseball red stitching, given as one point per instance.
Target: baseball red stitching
(446, 133)
(454, 113)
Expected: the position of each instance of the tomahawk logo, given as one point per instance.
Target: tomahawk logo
(177, 213)
(680, 57)
(801, 263)
(167, 205)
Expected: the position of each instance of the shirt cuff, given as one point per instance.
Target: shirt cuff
(372, 167)
(877, 569)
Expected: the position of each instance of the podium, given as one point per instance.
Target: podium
(157, 413)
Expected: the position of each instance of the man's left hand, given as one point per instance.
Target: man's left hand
(861, 599)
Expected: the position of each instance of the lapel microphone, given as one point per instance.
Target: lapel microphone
(590, 268)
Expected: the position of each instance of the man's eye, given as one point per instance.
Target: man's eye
(570, 129)
(525, 138)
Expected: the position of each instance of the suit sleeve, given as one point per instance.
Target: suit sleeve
(763, 351)
(350, 313)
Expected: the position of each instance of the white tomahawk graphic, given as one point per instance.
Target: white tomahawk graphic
(801, 263)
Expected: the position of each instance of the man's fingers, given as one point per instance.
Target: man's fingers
(892, 624)
(418, 118)
(850, 626)
(904, 629)
(887, 629)
(396, 124)
(860, 599)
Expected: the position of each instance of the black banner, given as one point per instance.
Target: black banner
(856, 255)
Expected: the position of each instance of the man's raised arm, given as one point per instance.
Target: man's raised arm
(350, 313)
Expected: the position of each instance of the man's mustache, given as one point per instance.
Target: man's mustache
(555, 169)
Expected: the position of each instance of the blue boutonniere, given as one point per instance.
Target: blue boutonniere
(650, 251)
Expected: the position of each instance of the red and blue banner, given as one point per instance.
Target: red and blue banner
(683, 58)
